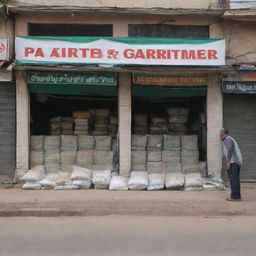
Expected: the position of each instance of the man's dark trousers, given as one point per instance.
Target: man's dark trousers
(234, 177)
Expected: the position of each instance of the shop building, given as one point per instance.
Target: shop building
(139, 87)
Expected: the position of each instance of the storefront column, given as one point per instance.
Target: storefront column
(124, 123)
(23, 127)
(214, 124)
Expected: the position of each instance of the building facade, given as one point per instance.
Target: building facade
(143, 19)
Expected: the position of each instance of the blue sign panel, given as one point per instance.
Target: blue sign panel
(240, 87)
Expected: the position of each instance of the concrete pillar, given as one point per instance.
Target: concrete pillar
(214, 124)
(124, 123)
(23, 125)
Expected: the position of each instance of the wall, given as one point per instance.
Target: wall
(194, 4)
(6, 30)
(240, 41)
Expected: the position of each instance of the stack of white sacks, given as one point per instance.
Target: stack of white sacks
(71, 162)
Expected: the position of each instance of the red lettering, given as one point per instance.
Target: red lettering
(139, 54)
(84, 51)
(175, 52)
(129, 53)
(72, 52)
(161, 54)
(63, 52)
(201, 54)
(188, 54)
(55, 53)
(28, 50)
(39, 53)
(151, 54)
(96, 53)
(169, 54)
(212, 54)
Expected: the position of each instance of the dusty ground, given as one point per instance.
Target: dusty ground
(18, 202)
(131, 236)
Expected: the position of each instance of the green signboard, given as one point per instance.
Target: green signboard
(72, 78)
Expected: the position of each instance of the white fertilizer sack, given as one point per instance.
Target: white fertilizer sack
(138, 181)
(119, 183)
(81, 173)
(155, 181)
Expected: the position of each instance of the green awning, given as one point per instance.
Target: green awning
(166, 92)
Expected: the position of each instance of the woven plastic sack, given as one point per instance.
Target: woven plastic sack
(69, 143)
(52, 168)
(35, 185)
(138, 181)
(80, 173)
(154, 156)
(52, 156)
(82, 184)
(49, 180)
(84, 158)
(51, 142)
(36, 158)
(154, 142)
(193, 180)
(172, 167)
(102, 157)
(81, 114)
(102, 167)
(86, 142)
(139, 167)
(63, 178)
(68, 157)
(35, 174)
(66, 168)
(37, 143)
(139, 141)
(138, 157)
(190, 153)
(103, 142)
(171, 156)
(174, 180)
(155, 181)
(118, 183)
(155, 167)
(101, 177)
(189, 142)
(171, 142)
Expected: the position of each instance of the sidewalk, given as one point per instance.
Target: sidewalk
(18, 202)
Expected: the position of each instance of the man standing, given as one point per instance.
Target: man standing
(234, 162)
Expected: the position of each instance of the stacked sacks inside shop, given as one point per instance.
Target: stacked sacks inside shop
(177, 119)
(158, 125)
(140, 123)
(100, 121)
(61, 125)
(82, 162)
(82, 122)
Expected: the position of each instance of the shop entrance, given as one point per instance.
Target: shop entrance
(170, 114)
(73, 120)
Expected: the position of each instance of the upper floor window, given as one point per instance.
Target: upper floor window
(168, 31)
(70, 29)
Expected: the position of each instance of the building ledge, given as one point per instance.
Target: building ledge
(127, 10)
(240, 14)
(131, 69)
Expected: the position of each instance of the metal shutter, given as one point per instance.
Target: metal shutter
(7, 129)
(240, 120)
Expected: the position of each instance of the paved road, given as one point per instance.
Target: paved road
(133, 236)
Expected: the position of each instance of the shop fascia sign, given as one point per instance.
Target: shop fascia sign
(71, 78)
(4, 49)
(120, 51)
(164, 80)
(239, 87)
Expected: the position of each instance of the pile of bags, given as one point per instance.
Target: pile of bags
(140, 123)
(177, 118)
(100, 121)
(82, 122)
(158, 125)
(61, 125)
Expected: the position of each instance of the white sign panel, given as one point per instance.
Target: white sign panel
(124, 51)
(4, 51)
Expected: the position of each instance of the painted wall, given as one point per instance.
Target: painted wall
(194, 4)
(6, 30)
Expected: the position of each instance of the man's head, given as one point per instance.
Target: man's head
(223, 133)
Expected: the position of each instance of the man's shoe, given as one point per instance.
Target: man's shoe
(233, 199)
